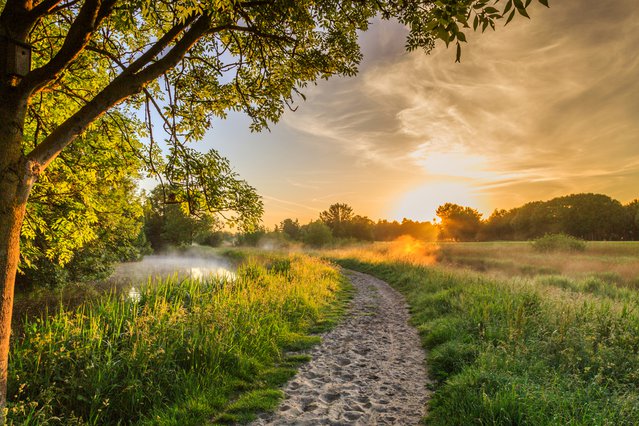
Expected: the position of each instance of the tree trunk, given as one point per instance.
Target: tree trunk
(17, 175)
(15, 185)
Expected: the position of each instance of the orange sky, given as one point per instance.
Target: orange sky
(538, 109)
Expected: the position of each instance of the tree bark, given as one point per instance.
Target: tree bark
(14, 191)
(17, 175)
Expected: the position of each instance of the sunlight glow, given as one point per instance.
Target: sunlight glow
(421, 203)
(408, 248)
(453, 164)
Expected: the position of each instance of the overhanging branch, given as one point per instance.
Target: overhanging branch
(91, 14)
(119, 89)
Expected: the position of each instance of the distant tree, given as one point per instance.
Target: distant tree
(213, 237)
(291, 228)
(337, 217)
(387, 231)
(168, 223)
(458, 223)
(316, 234)
(632, 213)
(592, 216)
(535, 219)
(585, 216)
(424, 231)
(251, 238)
(497, 227)
(360, 228)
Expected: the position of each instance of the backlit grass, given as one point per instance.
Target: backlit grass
(540, 350)
(187, 352)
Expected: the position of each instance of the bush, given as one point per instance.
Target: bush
(316, 234)
(558, 242)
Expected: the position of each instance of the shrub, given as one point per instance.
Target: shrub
(558, 242)
(316, 234)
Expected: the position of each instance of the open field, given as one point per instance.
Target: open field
(177, 352)
(533, 339)
(614, 262)
(611, 262)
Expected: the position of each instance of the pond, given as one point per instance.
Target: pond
(163, 266)
(126, 279)
(153, 267)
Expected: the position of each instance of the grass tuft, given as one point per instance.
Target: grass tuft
(183, 353)
(526, 351)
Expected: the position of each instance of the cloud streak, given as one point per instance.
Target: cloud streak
(538, 109)
(539, 106)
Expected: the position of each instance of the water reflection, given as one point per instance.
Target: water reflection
(163, 266)
(134, 295)
(199, 273)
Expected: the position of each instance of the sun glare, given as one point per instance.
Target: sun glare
(421, 203)
(455, 164)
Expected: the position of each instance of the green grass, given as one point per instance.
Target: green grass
(187, 353)
(525, 351)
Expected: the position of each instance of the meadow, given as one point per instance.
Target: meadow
(515, 336)
(181, 351)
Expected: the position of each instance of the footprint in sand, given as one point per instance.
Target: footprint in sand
(371, 366)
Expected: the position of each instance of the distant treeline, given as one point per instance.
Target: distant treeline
(585, 216)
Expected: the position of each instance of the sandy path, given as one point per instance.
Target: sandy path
(368, 370)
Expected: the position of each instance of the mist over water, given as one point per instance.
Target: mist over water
(166, 265)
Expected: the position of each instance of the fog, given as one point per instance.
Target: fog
(165, 265)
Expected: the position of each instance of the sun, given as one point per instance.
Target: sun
(421, 203)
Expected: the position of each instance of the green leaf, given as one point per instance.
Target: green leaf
(523, 12)
(510, 17)
(458, 56)
(509, 6)
(544, 2)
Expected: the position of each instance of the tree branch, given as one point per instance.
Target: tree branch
(45, 7)
(91, 14)
(119, 89)
(159, 46)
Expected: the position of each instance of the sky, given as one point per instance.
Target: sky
(541, 108)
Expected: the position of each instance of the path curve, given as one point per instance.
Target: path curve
(368, 370)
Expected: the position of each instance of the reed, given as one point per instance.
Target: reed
(182, 352)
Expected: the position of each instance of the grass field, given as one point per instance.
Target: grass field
(518, 337)
(182, 352)
(614, 262)
(513, 336)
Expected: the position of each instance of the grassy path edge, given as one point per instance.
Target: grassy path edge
(518, 351)
(184, 352)
(267, 394)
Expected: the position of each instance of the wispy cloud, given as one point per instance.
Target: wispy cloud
(547, 102)
(538, 109)
(289, 203)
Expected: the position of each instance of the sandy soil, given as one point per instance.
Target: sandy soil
(368, 370)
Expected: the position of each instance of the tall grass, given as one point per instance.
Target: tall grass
(186, 352)
(521, 351)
